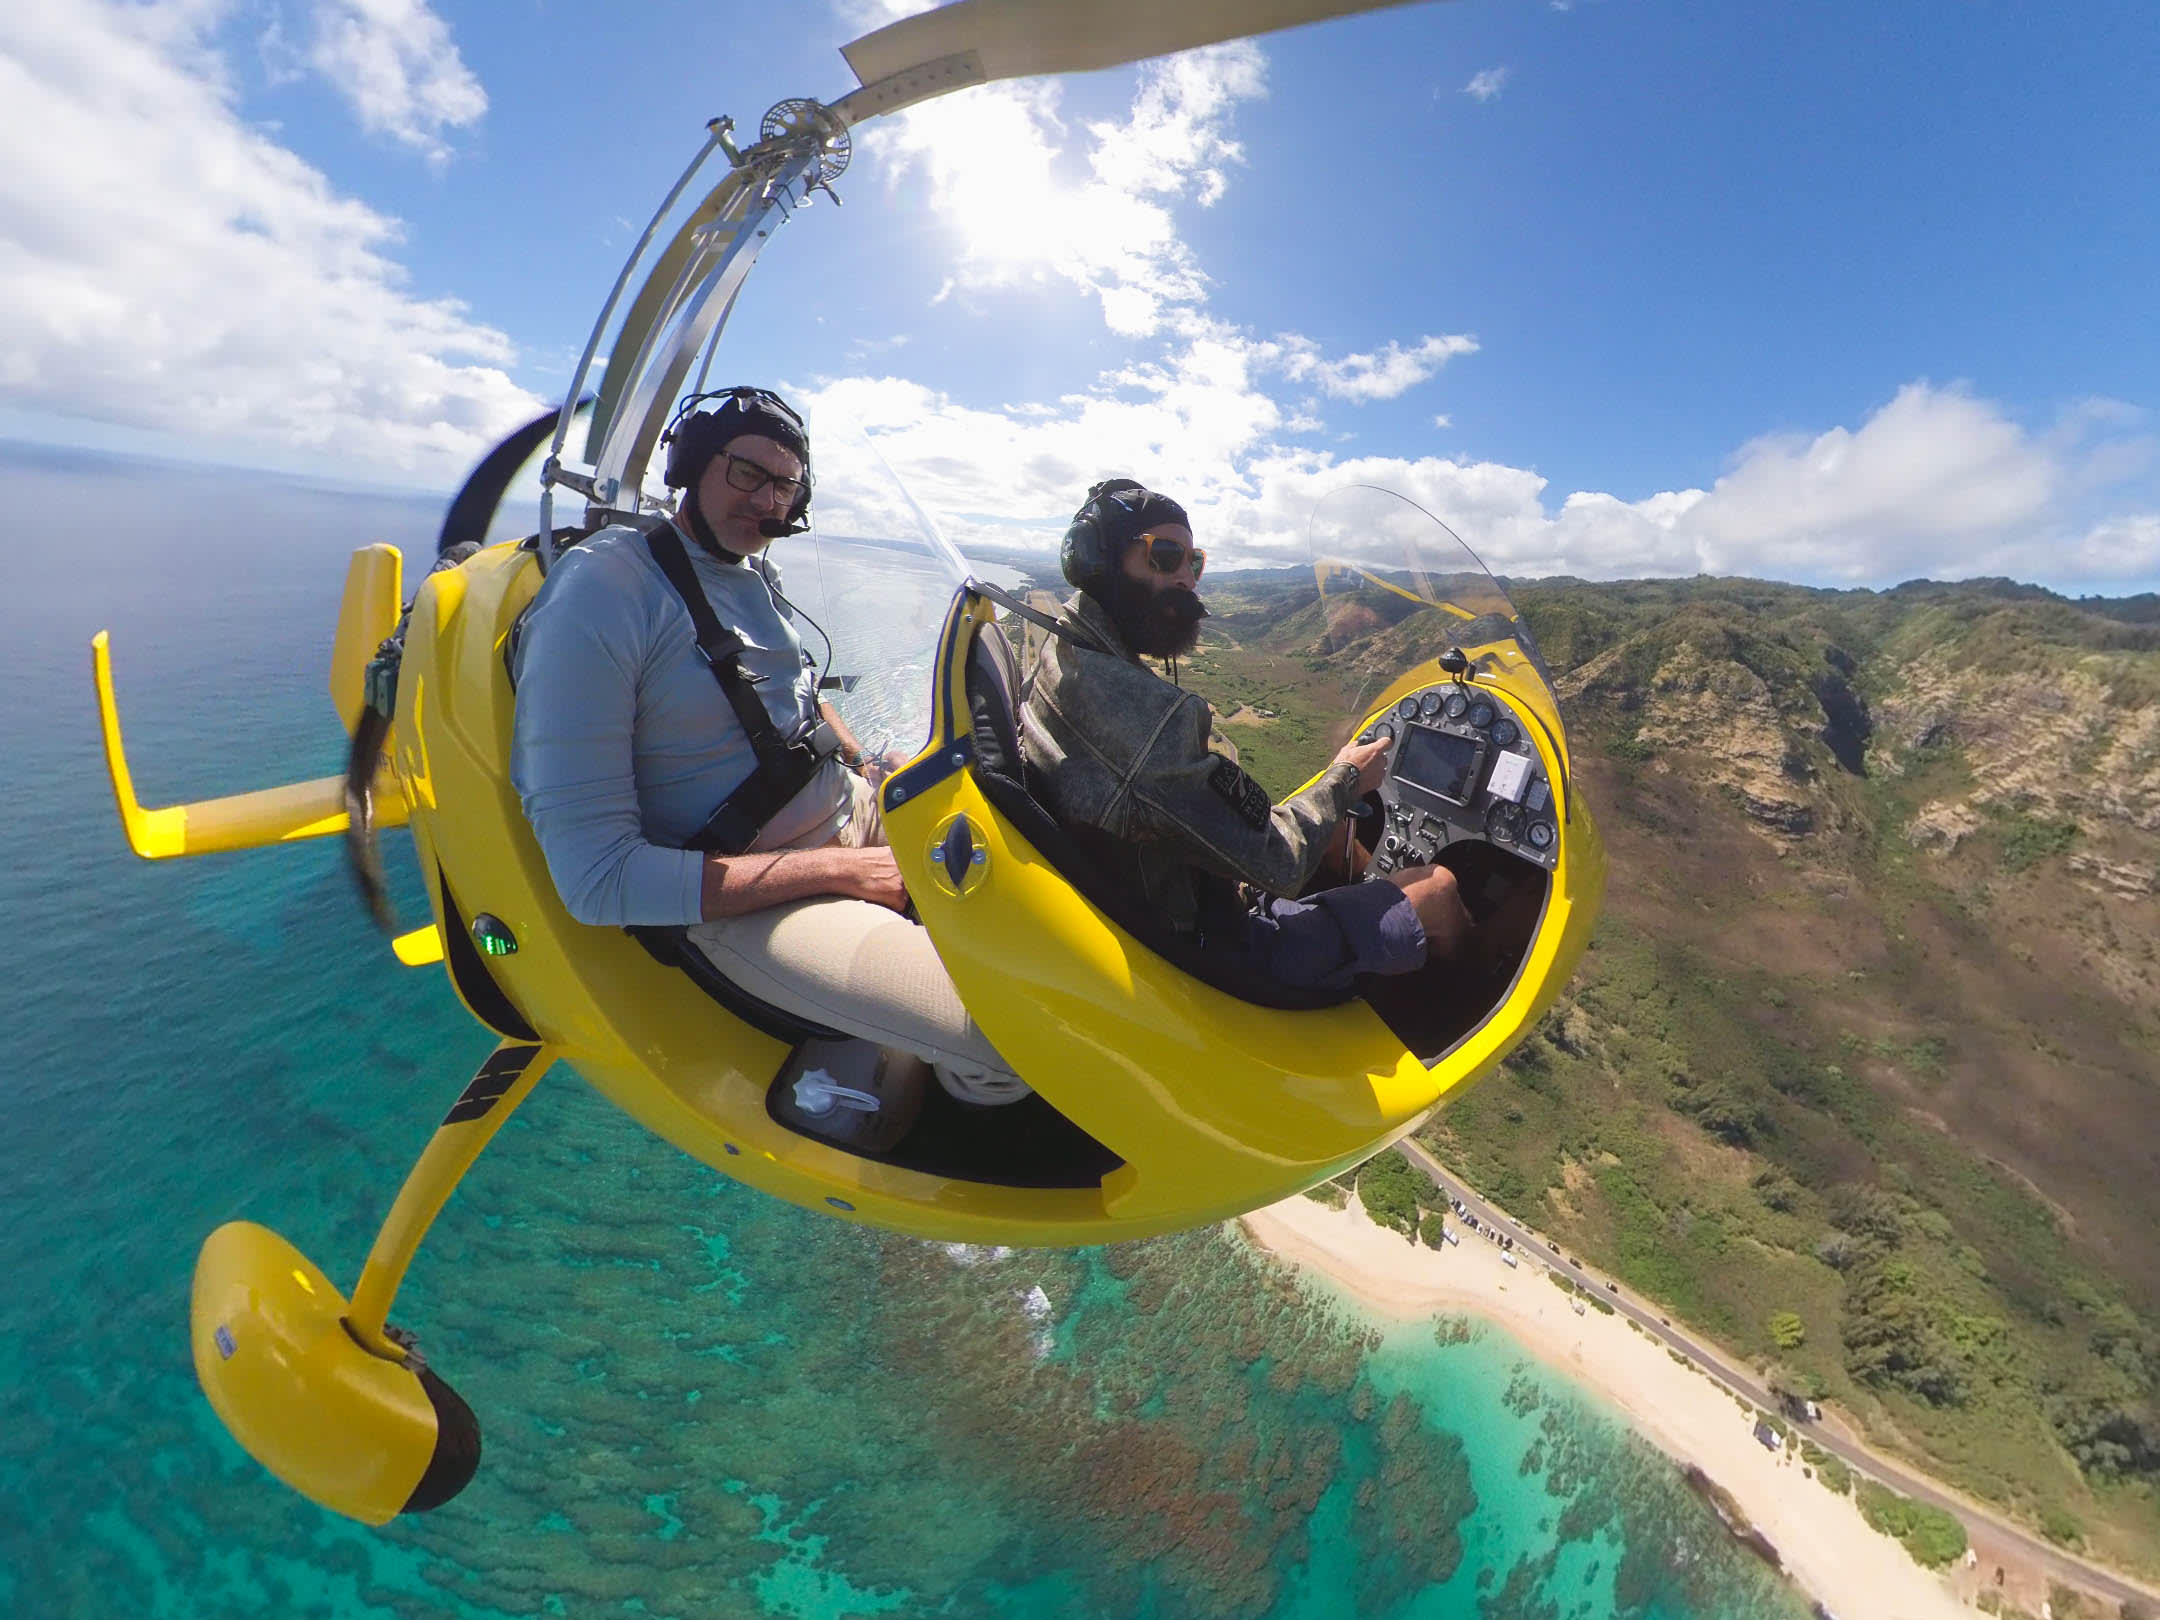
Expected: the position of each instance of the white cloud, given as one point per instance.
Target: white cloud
(1443, 421)
(1932, 467)
(164, 266)
(1174, 141)
(1361, 377)
(991, 157)
(1936, 482)
(867, 16)
(396, 64)
(1486, 86)
(2114, 550)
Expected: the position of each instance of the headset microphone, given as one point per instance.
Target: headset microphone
(780, 528)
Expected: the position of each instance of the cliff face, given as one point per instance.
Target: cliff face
(2049, 716)
(2056, 744)
(1721, 720)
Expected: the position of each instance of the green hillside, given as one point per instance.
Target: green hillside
(1870, 1033)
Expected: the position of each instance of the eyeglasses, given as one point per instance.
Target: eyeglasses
(1167, 556)
(749, 477)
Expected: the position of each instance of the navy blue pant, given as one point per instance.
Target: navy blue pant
(1326, 940)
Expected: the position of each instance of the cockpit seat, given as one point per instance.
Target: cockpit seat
(995, 692)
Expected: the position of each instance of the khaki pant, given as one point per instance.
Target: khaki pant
(863, 969)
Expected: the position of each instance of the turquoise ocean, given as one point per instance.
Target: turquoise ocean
(696, 1401)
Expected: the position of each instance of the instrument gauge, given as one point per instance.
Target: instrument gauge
(1407, 708)
(1456, 705)
(1541, 835)
(1429, 705)
(1481, 714)
(1504, 822)
(1504, 733)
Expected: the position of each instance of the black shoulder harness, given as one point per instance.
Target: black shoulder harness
(785, 765)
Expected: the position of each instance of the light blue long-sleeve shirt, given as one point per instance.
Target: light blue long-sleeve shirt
(624, 743)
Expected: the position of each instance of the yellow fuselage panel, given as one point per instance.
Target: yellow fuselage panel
(1216, 1106)
(348, 1429)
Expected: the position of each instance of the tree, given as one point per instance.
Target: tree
(1388, 1188)
(2113, 1438)
(1787, 1331)
(1777, 1190)
(2060, 1527)
(1721, 1109)
(1868, 1212)
(1893, 1341)
(1933, 1537)
(1841, 1251)
(1433, 1229)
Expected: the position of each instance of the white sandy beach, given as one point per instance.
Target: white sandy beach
(1825, 1544)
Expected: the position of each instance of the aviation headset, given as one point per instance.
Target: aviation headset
(694, 437)
(1116, 510)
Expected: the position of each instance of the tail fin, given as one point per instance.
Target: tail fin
(374, 581)
(278, 815)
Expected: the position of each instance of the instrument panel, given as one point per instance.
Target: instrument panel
(1460, 768)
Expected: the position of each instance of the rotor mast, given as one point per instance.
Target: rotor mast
(803, 146)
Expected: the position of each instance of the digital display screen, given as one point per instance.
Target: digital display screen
(1439, 762)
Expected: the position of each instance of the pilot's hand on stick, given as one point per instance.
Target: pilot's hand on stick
(1369, 760)
(876, 767)
(872, 875)
(1439, 905)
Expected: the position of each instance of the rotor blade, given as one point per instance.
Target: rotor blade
(474, 509)
(1020, 38)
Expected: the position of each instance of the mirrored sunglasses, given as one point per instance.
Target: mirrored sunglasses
(1167, 556)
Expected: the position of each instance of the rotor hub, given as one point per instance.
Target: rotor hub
(807, 125)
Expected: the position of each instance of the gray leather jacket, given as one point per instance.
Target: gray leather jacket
(1122, 751)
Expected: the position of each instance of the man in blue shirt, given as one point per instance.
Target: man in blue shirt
(654, 803)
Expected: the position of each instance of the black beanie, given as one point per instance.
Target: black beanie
(703, 435)
(1125, 510)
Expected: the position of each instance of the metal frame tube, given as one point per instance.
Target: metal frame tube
(716, 134)
(695, 318)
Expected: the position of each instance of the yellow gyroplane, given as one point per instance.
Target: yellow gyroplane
(1162, 1100)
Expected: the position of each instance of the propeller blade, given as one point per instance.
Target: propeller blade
(474, 509)
(1021, 38)
(363, 853)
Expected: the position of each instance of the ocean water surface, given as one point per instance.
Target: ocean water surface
(696, 1401)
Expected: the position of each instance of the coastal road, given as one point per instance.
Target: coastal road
(2053, 1563)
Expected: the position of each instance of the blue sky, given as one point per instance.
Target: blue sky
(1838, 293)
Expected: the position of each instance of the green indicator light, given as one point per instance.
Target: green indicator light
(493, 936)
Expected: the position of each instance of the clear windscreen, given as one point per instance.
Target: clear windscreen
(886, 576)
(1398, 587)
